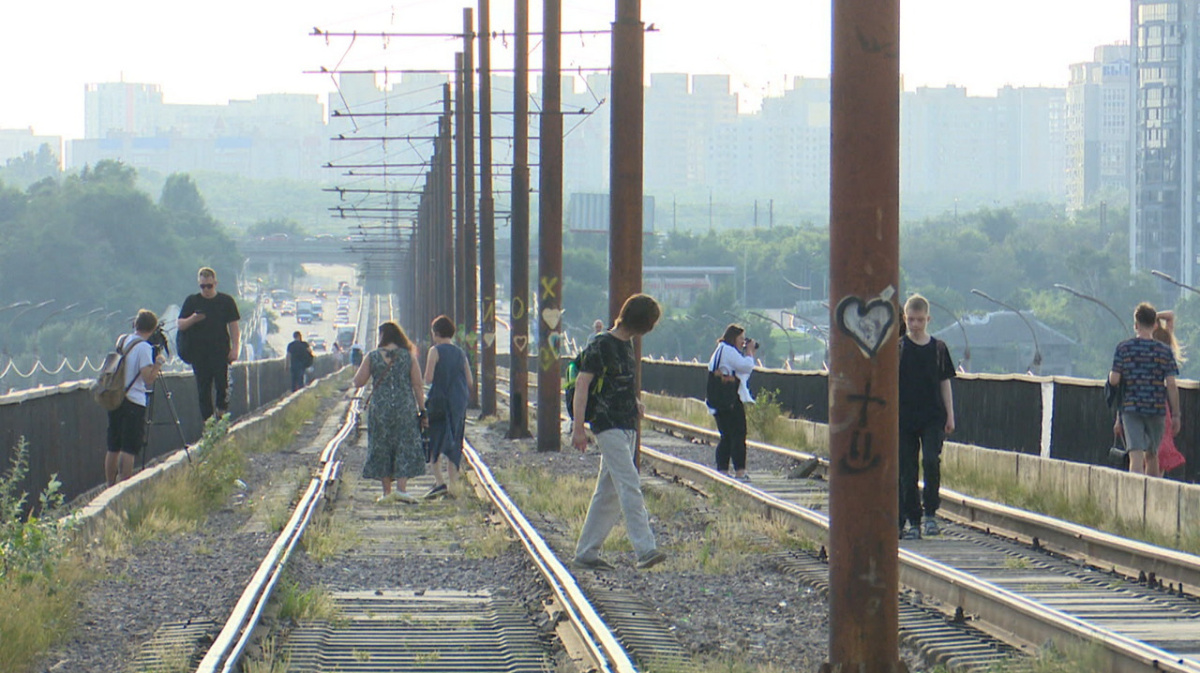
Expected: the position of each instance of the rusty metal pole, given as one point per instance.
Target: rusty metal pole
(446, 185)
(625, 163)
(625, 169)
(469, 337)
(863, 377)
(550, 143)
(460, 192)
(487, 221)
(518, 368)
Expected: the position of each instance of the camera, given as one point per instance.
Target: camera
(751, 343)
(160, 341)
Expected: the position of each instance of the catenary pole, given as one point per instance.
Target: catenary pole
(469, 337)
(446, 191)
(863, 377)
(460, 192)
(550, 286)
(625, 168)
(519, 285)
(487, 220)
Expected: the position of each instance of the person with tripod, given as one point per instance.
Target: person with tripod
(127, 423)
(209, 341)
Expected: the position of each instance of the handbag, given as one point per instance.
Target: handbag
(1117, 453)
(721, 391)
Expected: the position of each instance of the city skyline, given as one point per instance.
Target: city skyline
(239, 51)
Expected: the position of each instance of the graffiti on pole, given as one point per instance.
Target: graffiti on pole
(862, 457)
(867, 322)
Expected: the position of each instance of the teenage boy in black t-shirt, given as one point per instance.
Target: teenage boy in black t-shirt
(618, 489)
(926, 417)
(210, 319)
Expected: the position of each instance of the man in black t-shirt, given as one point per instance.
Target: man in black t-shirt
(300, 358)
(210, 319)
(609, 360)
(926, 417)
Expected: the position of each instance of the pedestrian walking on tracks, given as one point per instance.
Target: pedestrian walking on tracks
(608, 372)
(300, 358)
(732, 362)
(1169, 456)
(209, 340)
(926, 417)
(449, 372)
(1148, 369)
(395, 412)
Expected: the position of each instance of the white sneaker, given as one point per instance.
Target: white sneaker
(401, 496)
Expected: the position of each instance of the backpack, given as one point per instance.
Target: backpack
(596, 386)
(110, 389)
(183, 345)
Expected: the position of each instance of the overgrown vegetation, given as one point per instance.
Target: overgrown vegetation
(38, 587)
(730, 533)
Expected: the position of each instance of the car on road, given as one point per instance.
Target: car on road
(318, 344)
(287, 308)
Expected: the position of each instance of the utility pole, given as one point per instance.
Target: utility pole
(625, 159)
(864, 376)
(518, 368)
(550, 286)
(447, 268)
(470, 336)
(771, 215)
(625, 170)
(460, 193)
(487, 220)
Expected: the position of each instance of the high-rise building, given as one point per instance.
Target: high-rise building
(1097, 135)
(17, 142)
(270, 136)
(1163, 217)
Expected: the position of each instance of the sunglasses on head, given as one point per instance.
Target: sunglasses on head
(207, 286)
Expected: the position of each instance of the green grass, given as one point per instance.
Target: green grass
(313, 604)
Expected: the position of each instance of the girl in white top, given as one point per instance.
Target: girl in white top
(734, 356)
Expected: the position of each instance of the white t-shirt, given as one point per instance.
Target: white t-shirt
(141, 355)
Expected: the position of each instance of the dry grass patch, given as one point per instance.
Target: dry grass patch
(38, 612)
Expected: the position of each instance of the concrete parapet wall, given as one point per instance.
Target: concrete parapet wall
(1161, 507)
(252, 429)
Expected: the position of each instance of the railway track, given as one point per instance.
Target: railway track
(443, 629)
(1047, 580)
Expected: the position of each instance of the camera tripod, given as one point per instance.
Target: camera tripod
(151, 394)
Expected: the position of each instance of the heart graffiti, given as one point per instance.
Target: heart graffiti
(489, 338)
(868, 323)
(521, 342)
(552, 316)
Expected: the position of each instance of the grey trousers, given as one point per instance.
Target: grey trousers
(618, 491)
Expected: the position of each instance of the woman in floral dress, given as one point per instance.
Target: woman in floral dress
(395, 413)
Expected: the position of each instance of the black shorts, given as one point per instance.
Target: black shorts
(126, 428)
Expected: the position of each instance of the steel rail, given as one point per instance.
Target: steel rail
(602, 644)
(226, 651)
(1024, 618)
(1062, 537)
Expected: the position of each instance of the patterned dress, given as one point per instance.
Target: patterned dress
(393, 430)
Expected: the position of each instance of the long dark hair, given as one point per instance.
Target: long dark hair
(392, 333)
(731, 333)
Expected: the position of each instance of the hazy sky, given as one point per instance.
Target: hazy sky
(212, 51)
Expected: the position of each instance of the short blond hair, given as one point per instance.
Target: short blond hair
(207, 272)
(916, 303)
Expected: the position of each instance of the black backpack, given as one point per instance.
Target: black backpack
(596, 386)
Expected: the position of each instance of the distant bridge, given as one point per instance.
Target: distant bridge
(374, 256)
